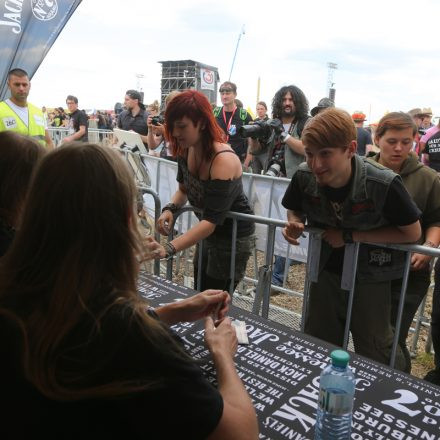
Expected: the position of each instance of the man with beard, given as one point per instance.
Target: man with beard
(290, 106)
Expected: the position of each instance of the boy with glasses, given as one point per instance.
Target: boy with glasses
(78, 122)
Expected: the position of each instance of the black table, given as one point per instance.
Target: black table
(281, 367)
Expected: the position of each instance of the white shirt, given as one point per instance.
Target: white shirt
(22, 112)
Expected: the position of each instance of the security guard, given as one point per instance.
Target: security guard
(16, 114)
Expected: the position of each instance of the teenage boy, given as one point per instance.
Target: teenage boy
(353, 200)
(231, 118)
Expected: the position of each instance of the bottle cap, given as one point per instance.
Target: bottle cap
(339, 358)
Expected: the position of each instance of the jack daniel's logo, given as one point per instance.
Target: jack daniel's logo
(11, 13)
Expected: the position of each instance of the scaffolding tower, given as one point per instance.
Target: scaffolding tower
(186, 74)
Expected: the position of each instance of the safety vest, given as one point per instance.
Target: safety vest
(9, 120)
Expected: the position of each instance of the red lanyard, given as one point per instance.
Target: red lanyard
(228, 124)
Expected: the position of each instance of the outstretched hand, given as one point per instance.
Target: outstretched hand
(150, 249)
(164, 222)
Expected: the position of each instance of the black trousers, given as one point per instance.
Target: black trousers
(435, 316)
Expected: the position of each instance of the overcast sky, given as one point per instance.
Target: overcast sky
(387, 51)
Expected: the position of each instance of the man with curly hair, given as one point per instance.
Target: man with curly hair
(290, 106)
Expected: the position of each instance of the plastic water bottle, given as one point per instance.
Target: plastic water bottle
(335, 403)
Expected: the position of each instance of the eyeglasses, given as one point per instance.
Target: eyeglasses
(226, 91)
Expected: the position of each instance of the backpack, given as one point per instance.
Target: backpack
(243, 113)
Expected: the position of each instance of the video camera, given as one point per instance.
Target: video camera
(264, 131)
(158, 120)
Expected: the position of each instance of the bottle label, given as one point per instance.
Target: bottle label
(335, 403)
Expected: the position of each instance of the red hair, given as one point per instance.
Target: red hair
(196, 107)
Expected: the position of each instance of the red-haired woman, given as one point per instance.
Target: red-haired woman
(209, 176)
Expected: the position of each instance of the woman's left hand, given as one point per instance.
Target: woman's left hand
(209, 302)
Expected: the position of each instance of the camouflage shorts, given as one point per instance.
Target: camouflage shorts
(216, 256)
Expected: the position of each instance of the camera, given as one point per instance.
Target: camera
(276, 166)
(157, 120)
(274, 169)
(262, 130)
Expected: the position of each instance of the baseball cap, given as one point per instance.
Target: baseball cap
(134, 94)
(358, 116)
(323, 103)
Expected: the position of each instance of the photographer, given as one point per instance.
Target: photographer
(283, 157)
(290, 106)
(156, 131)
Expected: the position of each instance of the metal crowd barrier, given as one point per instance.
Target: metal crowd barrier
(421, 320)
(261, 300)
(101, 137)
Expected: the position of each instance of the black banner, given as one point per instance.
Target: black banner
(28, 28)
(281, 367)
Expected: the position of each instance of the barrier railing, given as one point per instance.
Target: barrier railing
(261, 299)
(103, 137)
(265, 194)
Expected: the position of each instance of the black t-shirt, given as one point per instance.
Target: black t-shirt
(180, 404)
(432, 148)
(399, 209)
(77, 119)
(238, 144)
(138, 123)
(363, 139)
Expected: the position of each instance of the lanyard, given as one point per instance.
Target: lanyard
(228, 124)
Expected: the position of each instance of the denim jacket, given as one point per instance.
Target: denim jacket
(362, 210)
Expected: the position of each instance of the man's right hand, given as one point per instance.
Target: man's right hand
(292, 231)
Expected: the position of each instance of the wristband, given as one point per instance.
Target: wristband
(170, 250)
(430, 244)
(347, 236)
(170, 207)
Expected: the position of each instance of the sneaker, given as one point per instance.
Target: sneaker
(433, 376)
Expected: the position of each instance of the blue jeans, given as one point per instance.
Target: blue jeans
(278, 270)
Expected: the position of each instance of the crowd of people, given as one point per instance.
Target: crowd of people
(75, 334)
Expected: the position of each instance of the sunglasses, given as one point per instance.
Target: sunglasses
(226, 91)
